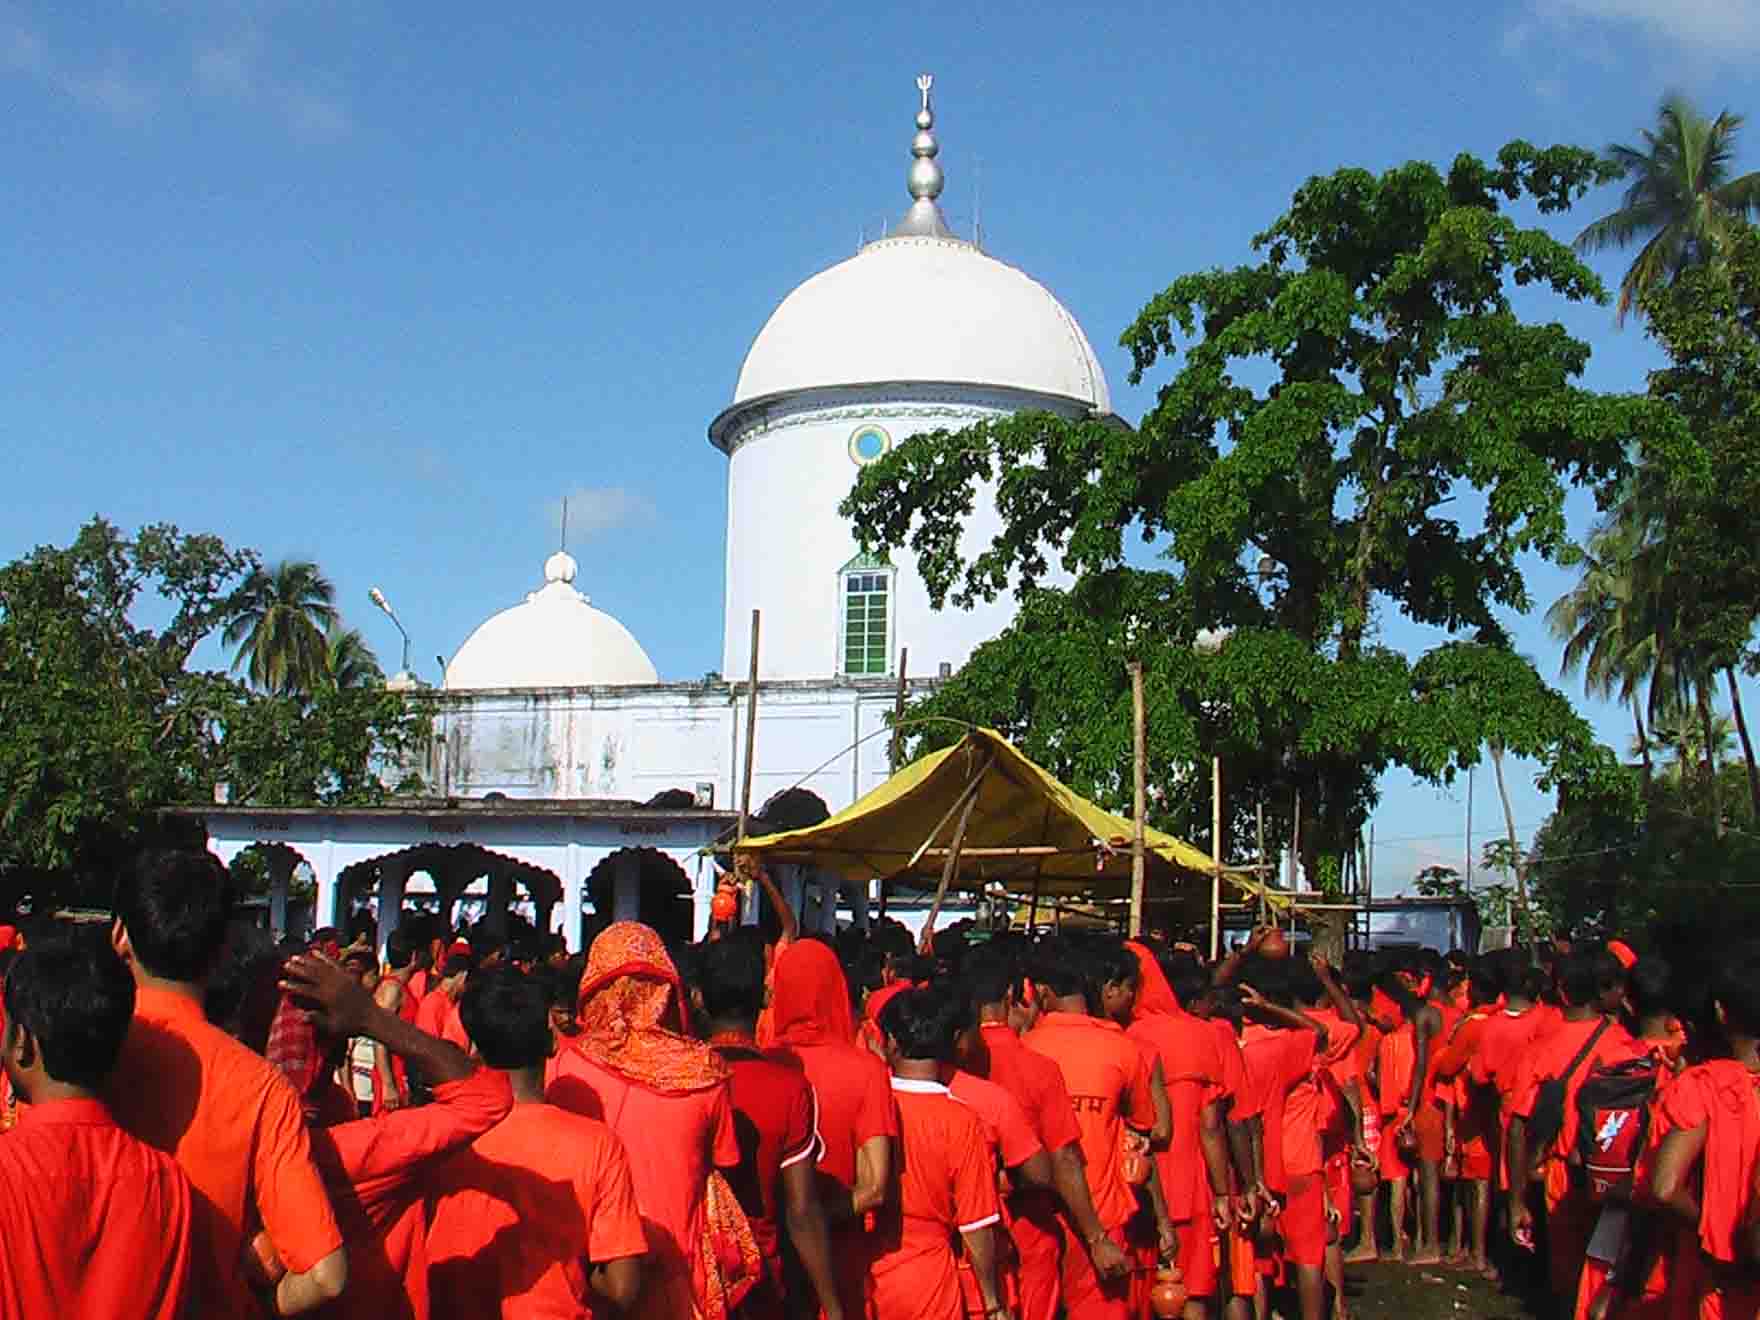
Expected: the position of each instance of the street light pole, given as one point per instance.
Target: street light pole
(378, 598)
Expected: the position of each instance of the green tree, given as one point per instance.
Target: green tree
(103, 723)
(1601, 623)
(1702, 559)
(1396, 377)
(1681, 199)
(1439, 882)
(279, 629)
(349, 662)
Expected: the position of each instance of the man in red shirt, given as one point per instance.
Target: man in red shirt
(1109, 1081)
(1036, 1215)
(1712, 1113)
(404, 957)
(1193, 1169)
(1322, 1128)
(437, 1013)
(538, 1217)
(946, 1179)
(1591, 984)
(815, 1031)
(1472, 1110)
(776, 1122)
(1282, 1045)
(92, 1222)
(378, 1169)
(223, 1112)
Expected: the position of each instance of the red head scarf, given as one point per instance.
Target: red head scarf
(1623, 951)
(809, 1003)
(1154, 994)
(632, 1015)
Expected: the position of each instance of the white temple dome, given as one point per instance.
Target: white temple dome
(922, 308)
(555, 638)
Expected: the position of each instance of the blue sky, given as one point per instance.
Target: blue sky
(380, 284)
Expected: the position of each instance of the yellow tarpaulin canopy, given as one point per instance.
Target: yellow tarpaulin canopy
(1027, 831)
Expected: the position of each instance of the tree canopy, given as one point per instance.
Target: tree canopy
(1361, 423)
(1683, 199)
(103, 721)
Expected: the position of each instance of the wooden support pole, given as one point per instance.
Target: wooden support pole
(1024, 850)
(969, 793)
(1259, 812)
(1215, 857)
(1033, 907)
(895, 758)
(1139, 870)
(926, 942)
(745, 792)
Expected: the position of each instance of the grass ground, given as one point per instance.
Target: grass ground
(1409, 1292)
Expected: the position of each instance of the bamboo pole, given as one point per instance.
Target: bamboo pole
(895, 757)
(1141, 804)
(926, 942)
(1033, 907)
(971, 791)
(1024, 850)
(1259, 811)
(745, 792)
(1216, 857)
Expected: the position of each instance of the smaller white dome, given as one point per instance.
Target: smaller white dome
(554, 639)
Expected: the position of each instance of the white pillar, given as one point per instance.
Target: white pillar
(325, 879)
(702, 895)
(281, 866)
(626, 902)
(571, 910)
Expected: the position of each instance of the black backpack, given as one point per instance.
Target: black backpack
(1547, 1120)
(1613, 1121)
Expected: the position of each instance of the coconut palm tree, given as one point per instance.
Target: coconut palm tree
(1683, 199)
(1602, 623)
(348, 659)
(279, 629)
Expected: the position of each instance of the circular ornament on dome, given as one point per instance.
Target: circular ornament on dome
(868, 444)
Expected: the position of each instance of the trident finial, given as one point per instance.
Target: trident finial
(925, 81)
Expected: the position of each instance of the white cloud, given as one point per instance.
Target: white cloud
(110, 88)
(231, 59)
(595, 510)
(1723, 29)
(239, 68)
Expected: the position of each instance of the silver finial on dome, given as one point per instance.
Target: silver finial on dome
(925, 179)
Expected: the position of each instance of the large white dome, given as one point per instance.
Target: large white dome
(554, 639)
(923, 308)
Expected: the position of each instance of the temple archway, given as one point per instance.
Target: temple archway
(640, 884)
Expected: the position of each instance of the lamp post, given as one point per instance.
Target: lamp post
(378, 598)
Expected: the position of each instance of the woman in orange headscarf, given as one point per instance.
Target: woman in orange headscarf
(635, 1068)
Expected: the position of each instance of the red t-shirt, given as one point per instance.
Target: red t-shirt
(1547, 1058)
(1303, 1119)
(1244, 1103)
(518, 1217)
(946, 1185)
(1108, 1077)
(1506, 1038)
(437, 1015)
(677, 1139)
(1192, 1068)
(1277, 1059)
(1723, 1097)
(1006, 1126)
(233, 1123)
(376, 1172)
(92, 1221)
(854, 1099)
(773, 1119)
(1034, 1081)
